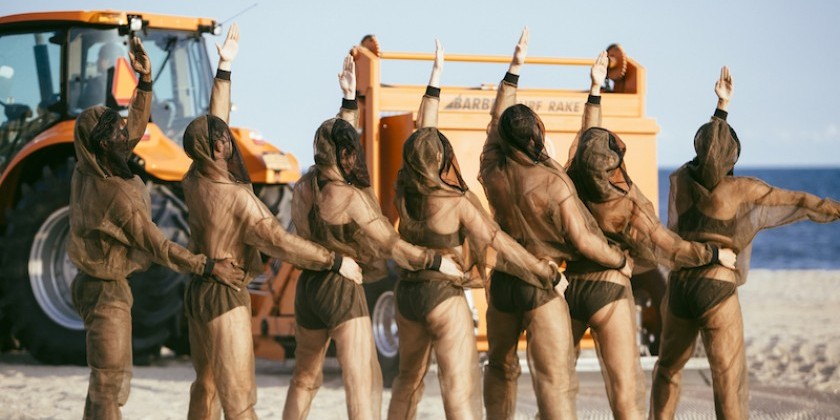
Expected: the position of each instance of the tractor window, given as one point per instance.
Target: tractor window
(182, 79)
(29, 87)
(180, 71)
(91, 54)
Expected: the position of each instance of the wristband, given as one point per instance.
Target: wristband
(223, 74)
(512, 78)
(336, 265)
(436, 263)
(349, 104)
(432, 91)
(594, 100)
(144, 86)
(715, 255)
(721, 114)
(209, 265)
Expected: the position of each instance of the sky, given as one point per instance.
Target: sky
(783, 55)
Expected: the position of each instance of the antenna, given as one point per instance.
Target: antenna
(237, 14)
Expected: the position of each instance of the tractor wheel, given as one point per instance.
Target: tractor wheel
(37, 276)
(382, 305)
(648, 291)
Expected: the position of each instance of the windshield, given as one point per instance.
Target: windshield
(180, 70)
(29, 87)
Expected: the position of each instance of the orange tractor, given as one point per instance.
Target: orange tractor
(52, 66)
(55, 64)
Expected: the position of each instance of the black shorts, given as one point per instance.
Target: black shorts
(324, 300)
(512, 295)
(415, 299)
(691, 297)
(585, 297)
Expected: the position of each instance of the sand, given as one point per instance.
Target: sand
(792, 324)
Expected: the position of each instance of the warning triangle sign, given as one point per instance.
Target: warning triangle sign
(124, 82)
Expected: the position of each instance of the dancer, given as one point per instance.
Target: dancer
(112, 236)
(601, 298)
(709, 204)
(227, 220)
(334, 206)
(438, 211)
(535, 202)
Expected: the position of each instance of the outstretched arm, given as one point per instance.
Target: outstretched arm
(347, 81)
(779, 206)
(592, 108)
(141, 104)
(427, 116)
(220, 95)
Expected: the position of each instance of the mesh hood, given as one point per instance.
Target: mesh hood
(717, 147)
(339, 155)
(197, 144)
(598, 166)
(522, 129)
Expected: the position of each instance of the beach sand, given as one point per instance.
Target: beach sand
(792, 328)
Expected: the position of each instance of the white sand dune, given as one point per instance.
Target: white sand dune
(792, 325)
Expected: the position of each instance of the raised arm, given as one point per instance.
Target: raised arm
(505, 98)
(347, 80)
(141, 104)
(220, 95)
(427, 116)
(592, 108)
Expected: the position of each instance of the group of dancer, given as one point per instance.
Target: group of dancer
(556, 256)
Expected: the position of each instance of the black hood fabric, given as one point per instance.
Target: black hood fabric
(198, 144)
(718, 148)
(522, 128)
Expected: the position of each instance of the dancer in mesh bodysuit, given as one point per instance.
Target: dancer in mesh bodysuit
(707, 203)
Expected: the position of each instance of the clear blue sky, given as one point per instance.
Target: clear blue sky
(784, 58)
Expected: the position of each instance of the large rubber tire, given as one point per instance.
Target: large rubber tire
(37, 275)
(382, 305)
(648, 291)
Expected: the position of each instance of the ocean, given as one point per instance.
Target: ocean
(802, 245)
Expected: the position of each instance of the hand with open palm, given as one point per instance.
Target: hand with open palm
(228, 51)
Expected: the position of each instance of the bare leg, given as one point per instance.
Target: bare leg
(459, 373)
(415, 351)
(502, 370)
(204, 401)
(233, 369)
(362, 381)
(723, 337)
(551, 360)
(614, 331)
(108, 341)
(677, 346)
(308, 374)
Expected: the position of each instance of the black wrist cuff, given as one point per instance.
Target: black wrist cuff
(144, 86)
(208, 268)
(557, 278)
(436, 263)
(715, 255)
(336, 265)
(511, 78)
(721, 114)
(432, 91)
(623, 263)
(349, 104)
(222, 74)
(594, 100)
